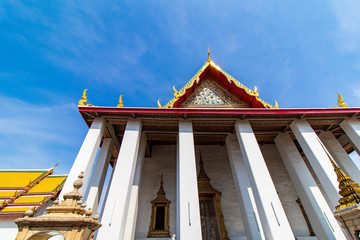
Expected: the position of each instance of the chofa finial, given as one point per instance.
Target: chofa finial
(83, 99)
(341, 102)
(121, 104)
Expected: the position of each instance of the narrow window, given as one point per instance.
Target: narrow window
(160, 218)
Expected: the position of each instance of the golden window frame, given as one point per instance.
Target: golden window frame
(159, 201)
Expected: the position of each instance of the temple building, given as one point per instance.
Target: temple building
(218, 162)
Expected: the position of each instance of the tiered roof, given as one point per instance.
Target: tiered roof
(21, 190)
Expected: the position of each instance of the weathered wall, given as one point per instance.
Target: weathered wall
(217, 167)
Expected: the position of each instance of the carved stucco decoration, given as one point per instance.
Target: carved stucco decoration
(210, 94)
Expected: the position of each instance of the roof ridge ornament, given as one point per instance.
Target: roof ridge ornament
(209, 60)
(52, 169)
(158, 103)
(83, 99)
(121, 104)
(341, 102)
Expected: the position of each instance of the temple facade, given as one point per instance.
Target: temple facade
(217, 162)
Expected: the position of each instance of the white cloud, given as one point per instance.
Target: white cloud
(74, 36)
(37, 136)
(356, 94)
(347, 14)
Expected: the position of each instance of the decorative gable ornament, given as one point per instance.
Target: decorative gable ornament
(213, 87)
(209, 94)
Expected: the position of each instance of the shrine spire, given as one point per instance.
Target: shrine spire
(209, 55)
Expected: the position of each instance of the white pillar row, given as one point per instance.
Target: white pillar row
(340, 155)
(319, 212)
(253, 228)
(318, 158)
(117, 202)
(85, 159)
(351, 127)
(98, 175)
(189, 225)
(134, 196)
(272, 214)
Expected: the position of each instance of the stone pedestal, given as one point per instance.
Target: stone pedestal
(68, 219)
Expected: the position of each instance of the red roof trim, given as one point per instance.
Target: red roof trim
(12, 214)
(220, 111)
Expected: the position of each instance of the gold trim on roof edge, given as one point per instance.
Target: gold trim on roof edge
(195, 78)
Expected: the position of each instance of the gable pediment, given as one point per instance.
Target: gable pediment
(211, 94)
(213, 87)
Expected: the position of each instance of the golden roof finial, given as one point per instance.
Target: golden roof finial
(209, 55)
(121, 104)
(83, 99)
(341, 102)
(276, 104)
(158, 103)
(349, 190)
(52, 169)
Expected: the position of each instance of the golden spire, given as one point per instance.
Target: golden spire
(209, 55)
(120, 102)
(161, 188)
(161, 192)
(341, 102)
(349, 190)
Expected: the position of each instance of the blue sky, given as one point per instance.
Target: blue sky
(300, 54)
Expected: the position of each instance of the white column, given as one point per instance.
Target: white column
(134, 196)
(272, 214)
(253, 228)
(319, 212)
(351, 127)
(117, 203)
(318, 158)
(189, 225)
(340, 155)
(98, 175)
(85, 159)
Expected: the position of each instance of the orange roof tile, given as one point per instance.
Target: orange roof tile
(49, 184)
(19, 179)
